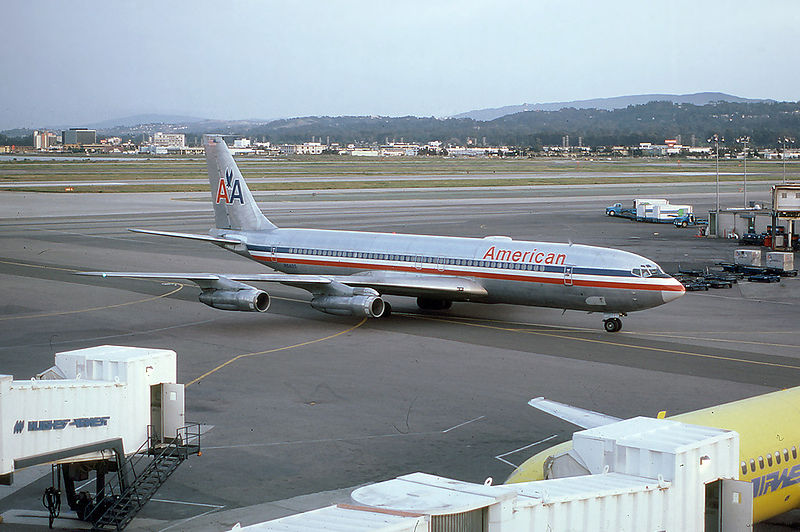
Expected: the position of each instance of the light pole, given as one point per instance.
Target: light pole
(744, 140)
(784, 141)
(716, 139)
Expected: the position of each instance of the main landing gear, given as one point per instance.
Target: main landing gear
(612, 323)
(427, 303)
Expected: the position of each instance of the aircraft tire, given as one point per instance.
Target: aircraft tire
(426, 303)
(612, 325)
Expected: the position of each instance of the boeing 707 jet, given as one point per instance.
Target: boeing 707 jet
(348, 272)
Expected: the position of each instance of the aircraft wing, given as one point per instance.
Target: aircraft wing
(586, 419)
(416, 285)
(195, 277)
(456, 288)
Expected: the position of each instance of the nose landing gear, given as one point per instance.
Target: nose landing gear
(612, 324)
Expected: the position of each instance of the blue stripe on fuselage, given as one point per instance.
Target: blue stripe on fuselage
(412, 259)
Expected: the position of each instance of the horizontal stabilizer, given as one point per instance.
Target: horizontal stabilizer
(586, 419)
(190, 236)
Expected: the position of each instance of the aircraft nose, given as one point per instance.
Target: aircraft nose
(674, 291)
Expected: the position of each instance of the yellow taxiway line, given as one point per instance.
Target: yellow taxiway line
(275, 350)
(606, 342)
(624, 333)
(78, 311)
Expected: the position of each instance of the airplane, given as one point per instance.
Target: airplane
(348, 272)
(769, 438)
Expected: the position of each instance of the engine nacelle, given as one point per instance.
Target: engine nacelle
(250, 300)
(370, 306)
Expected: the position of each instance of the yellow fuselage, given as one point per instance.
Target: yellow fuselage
(769, 444)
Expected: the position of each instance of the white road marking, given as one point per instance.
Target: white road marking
(187, 520)
(352, 438)
(445, 431)
(190, 503)
(500, 456)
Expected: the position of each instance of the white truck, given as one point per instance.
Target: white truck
(650, 210)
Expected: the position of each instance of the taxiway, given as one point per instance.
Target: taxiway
(303, 402)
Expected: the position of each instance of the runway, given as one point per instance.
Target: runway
(303, 402)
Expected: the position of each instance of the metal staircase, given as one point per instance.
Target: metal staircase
(139, 477)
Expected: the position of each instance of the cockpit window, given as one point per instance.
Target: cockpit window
(648, 270)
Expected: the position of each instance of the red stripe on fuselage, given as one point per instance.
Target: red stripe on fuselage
(484, 275)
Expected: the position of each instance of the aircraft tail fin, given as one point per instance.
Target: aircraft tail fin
(234, 206)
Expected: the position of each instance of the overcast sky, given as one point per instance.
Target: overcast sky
(81, 62)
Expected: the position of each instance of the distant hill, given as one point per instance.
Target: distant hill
(135, 120)
(608, 104)
(764, 121)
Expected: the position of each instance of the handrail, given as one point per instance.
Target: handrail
(187, 441)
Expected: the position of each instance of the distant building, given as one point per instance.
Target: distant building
(241, 143)
(307, 148)
(399, 148)
(78, 136)
(153, 150)
(363, 152)
(43, 140)
(476, 151)
(169, 140)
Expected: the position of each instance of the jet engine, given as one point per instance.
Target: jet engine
(370, 306)
(246, 300)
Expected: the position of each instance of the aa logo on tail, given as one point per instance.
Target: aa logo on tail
(229, 189)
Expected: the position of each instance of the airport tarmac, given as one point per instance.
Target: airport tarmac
(303, 402)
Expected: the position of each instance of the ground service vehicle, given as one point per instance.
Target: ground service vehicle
(685, 220)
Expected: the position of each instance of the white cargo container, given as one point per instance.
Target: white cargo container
(674, 210)
(598, 503)
(747, 257)
(780, 261)
(687, 456)
(786, 199)
(668, 212)
(645, 201)
(644, 209)
(89, 396)
(655, 210)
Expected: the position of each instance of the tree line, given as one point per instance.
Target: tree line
(764, 122)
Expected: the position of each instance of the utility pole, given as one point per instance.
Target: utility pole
(744, 140)
(785, 141)
(715, 138)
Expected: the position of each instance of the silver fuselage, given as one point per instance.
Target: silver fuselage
(567, 276)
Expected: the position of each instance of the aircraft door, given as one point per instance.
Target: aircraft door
(440, 264)
(418, 262)
(568, 275)
(271, 253)
(728, 505)
(167, 410)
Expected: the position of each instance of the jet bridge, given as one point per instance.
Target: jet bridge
(91, 412)
(632, 475)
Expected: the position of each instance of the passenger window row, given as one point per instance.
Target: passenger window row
(419, 259)
(775, 457)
